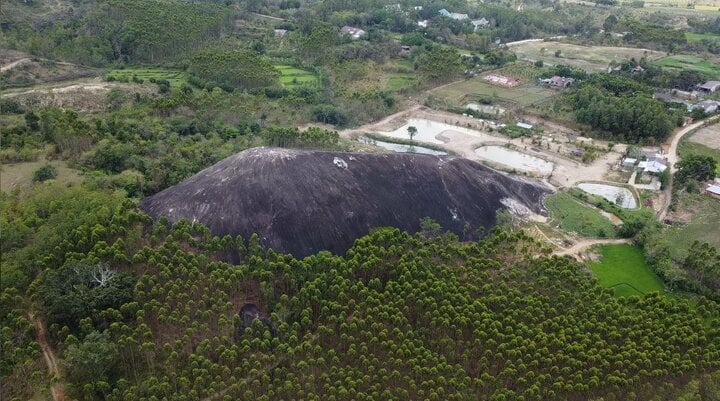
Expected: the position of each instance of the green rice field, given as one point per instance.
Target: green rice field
(697, 37)
(623, 268)
(292, 76)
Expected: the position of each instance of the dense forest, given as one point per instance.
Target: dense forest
(149, 311)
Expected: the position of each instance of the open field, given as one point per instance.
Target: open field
(572, 216)
(399, 81)
(525, 94)
(691, 63)
(176, 77)
(704, 220)
(622, 267)
(19, 175)
(708, 136)
(697, 37)
(590, 58)
(291, 76)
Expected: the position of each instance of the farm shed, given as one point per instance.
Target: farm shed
(709, 86)
(713, 190)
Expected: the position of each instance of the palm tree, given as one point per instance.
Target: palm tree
(412, 131)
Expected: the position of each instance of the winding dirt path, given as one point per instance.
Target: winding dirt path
(587, 243)
(14, 64)
(49, 355)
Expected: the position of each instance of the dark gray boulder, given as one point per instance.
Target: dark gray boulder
(301, 201)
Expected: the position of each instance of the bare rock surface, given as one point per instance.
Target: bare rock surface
(302, 202)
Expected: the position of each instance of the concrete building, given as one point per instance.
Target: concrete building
(709, 86)
(355, 33)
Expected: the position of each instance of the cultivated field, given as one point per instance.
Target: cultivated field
(570, 215)
(691, 63)
(590, 58)
(623, 268)
(176, 77)
(708, 136)
(523, 95)
(292, 76)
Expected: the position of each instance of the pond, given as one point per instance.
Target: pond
(621, 196)
(486, 108)
(402, 148)
(428, 131)
(514, 159)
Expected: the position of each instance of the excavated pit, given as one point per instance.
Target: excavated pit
(302, 202)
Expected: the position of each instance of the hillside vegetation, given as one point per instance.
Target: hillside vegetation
(145, 312)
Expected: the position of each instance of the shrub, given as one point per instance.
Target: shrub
(44, 173)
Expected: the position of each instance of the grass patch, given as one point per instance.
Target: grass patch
(590, 58)
(572, 216)
(292, 76)
(704, 221)
(698, 37)
(176, 77)
(399, 81)
(688, 147)
(690, 63)
(19, 176)
(623, 269)
(528, 94)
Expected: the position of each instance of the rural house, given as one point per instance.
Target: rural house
(423, 23)
(709, 86)
(708, 106)
(480, 24)
(355, 33)
(629, 162)
(654, 166)
(455, 16)
(558, 81)
(279, 33)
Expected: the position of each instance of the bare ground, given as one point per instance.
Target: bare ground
(708, 136)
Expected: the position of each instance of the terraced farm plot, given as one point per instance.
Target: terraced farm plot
(525, 94)
(572, 216)
(176, 77)
(623, 268)
(590, 58)
(292, 76)
(691, 63)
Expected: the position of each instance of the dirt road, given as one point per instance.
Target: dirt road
(587, 243)
(50, 360)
